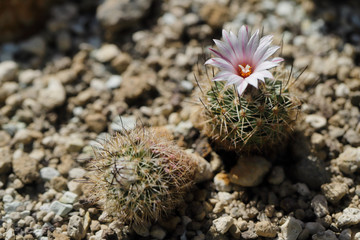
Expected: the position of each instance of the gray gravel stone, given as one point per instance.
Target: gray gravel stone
(352, 137)
(325, 235)
(320, 206)
(314, 227)
(60, 209)
(52, 96)
(114, 82)
(48, 173)
(106, 52)
(5, 160)
(157, 232)
(69, 198)
(345, 234)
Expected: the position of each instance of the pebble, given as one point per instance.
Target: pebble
(10, 234)
(265, 229)
(334, 191)
(5, 160)
(8, 71)
(26, 169)
(277, 175)
(35, 45)
(349, 160)
(48, 173)
(69, 198)
(77, 173)
(342, 90)
(222, 182)
(75, 228)
(325, 235)
(157, 232)
(222, 224)
(60, 209)
(350, 216)
(314, 227)
(12, 206)
(96, 122)
(249, 172)
(302, 189)
(52, 96)
(123, 122)
(352, 137)
(320, 206)
(106, 53)
(140, 230)
(316, 121)
(345, 234)
(114, 82)
(291, 229)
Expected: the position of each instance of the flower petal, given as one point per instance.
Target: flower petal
(243, 37)
(223, 76)
(270, 51)
(234, 79)
(265, 74)
(253, 43)
(265, 66)
(226, 51)
(221, 63)
(252, 80)
(241, 87)
(277, 59)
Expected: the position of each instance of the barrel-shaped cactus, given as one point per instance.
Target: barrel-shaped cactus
(246, 106)
(139, 175)
(255, 121)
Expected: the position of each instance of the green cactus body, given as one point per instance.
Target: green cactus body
(258, 120)
(140, 176)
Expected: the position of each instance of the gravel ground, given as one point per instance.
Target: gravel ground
(69, 82)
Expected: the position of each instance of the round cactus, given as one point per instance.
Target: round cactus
(258, 120)
(140, 175)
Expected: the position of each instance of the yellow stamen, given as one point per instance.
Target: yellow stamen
(245, 71)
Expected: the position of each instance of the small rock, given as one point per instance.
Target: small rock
(325, 235)
(157, 232)
(355, 98)
(316, 121)
(8, 71)
(352, 137)
(302, 189)
(222, 224)
(96, 122)
(35, 45)
(342, 90)
(225, 197)
(5, 160)
(74, 144)
(77, 173)
(277, 175)
(115, 15)
(334, 191)
(114, 81)
(52, 96)
(141, 230)
(60, 209)
(48, 173)
(69, 198)
(349, 217)
(285, 9)
(75, 228)
(345, 234)
(311, 170)
(10, 234)
(63, 41)
(291, 229)
(265, 229)
(121, 62)
(106, 53)
(12, 206)
(214, 14)
(222, 182)
(249, 172)
(26, 169)
(4, 140)
(124, 122)
(318, 140)
(349, 160)
(314, 227)
(320, 206)
(203, 170)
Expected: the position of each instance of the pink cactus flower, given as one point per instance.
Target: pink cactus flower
(243, 59)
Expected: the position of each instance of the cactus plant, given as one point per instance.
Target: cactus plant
(254, 109)
(139, 175)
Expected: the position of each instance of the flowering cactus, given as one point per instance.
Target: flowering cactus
(140, 175)
(254, 109)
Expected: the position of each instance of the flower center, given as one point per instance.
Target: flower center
(245, 71)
